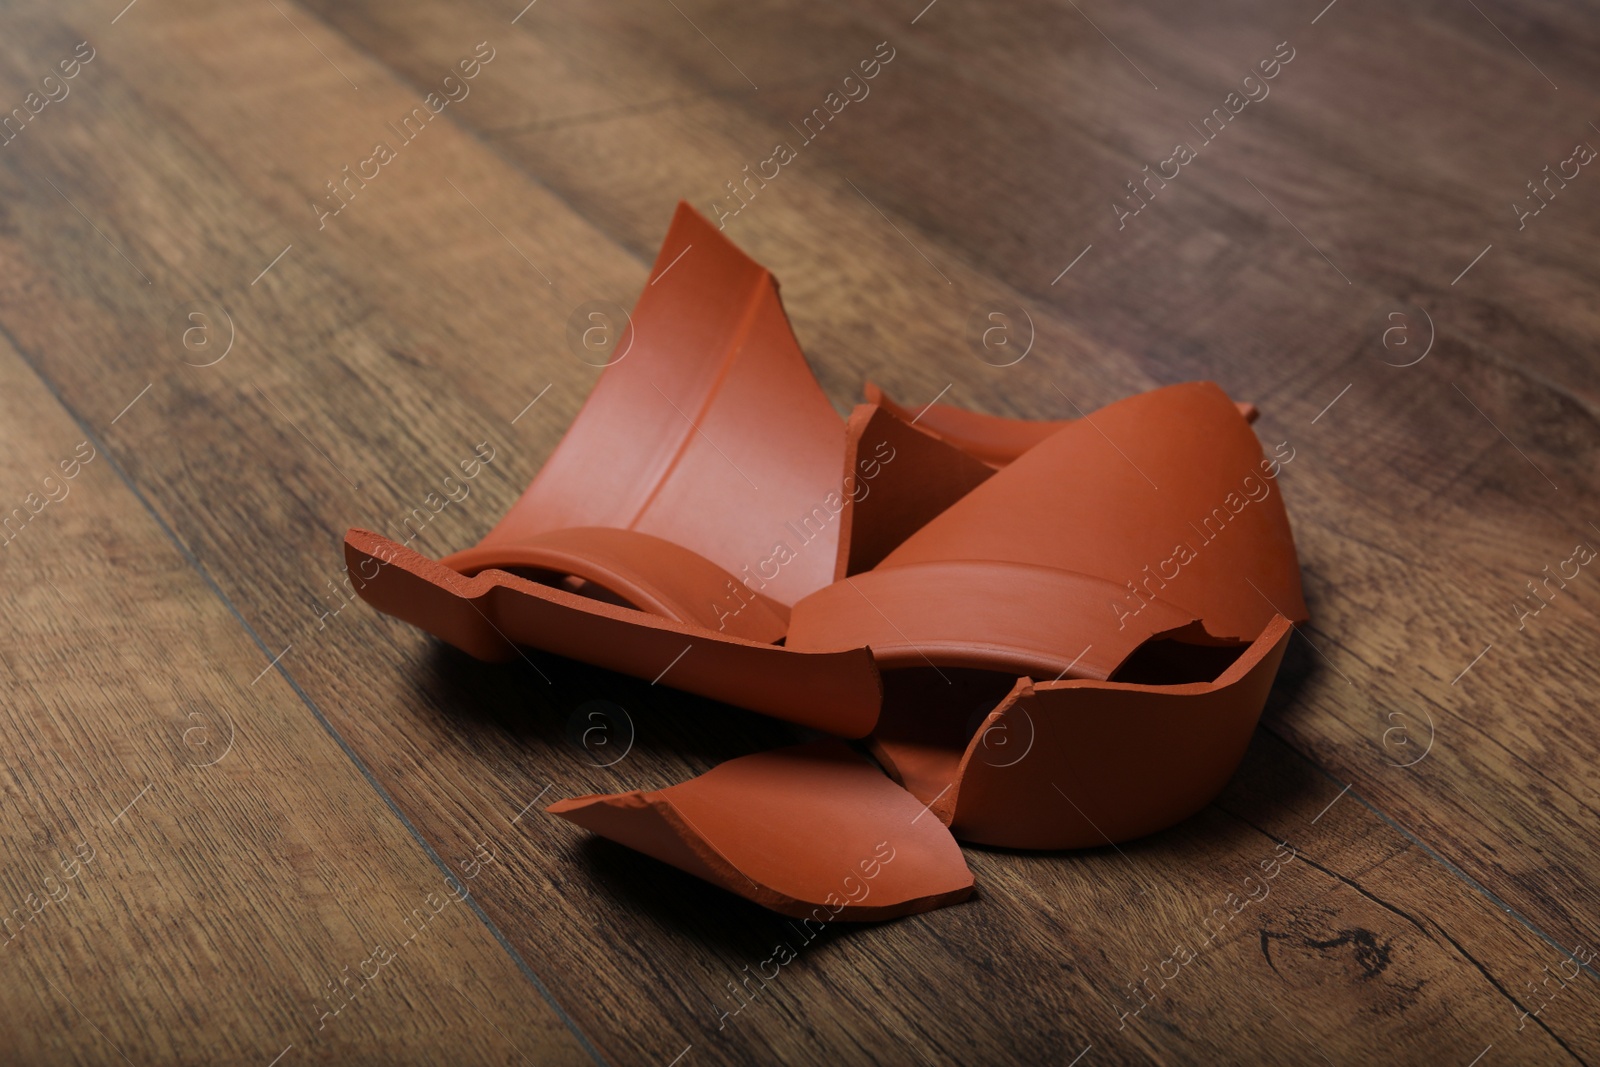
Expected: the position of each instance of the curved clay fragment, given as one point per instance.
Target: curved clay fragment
(489, 614)
(708, 430)
(1077, 763)
(899, 479)
(1146, 516)
(981, 614)
(813, 832)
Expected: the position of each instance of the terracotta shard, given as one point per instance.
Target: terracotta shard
(1076, 764)
(1153, 516)
(981, 614)
(489, 614)
(708, 431)
(1166, 493)
(898, 479)
(813, 831)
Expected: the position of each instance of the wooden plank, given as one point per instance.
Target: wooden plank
(393, 341)
(194, 869)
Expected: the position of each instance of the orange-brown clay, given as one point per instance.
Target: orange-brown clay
(489, 614)
(813, 831)
(1147, 517)
(705, 485)
(915, 476)
(707, 430)
(1079, 763)
(1063, 633)
(990, 438)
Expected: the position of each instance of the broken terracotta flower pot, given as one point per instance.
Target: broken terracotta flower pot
(1090, 609)
(813, 832)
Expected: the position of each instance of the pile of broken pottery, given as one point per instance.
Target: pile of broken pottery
(1047, 635)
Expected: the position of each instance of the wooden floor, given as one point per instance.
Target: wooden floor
(246, 821)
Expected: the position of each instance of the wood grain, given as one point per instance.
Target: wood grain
(1426, 906)
(194, 869)
(1393, 512)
